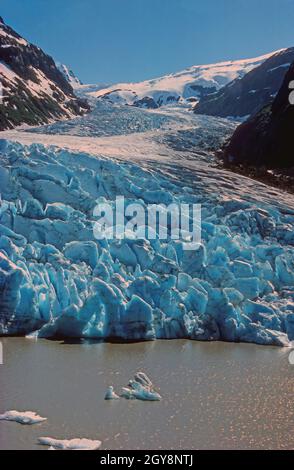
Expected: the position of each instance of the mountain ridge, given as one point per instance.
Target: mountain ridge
(184, 87)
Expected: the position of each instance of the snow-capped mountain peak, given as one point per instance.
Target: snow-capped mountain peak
(69, 75)
(184, 87)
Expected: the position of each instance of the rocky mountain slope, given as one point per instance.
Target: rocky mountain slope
(267, 138)
(34, 91)
(247, 95)
(184, 87)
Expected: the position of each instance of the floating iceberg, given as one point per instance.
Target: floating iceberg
(110, 394)
(22, 417)
(141, 389)
(72, 444)
(58, 281)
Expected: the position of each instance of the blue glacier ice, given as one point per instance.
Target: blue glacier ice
(57, 280)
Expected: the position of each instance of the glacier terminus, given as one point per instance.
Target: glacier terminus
(58, 281)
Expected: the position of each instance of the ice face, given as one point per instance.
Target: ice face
(57, 280)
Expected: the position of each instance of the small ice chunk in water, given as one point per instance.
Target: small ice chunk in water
(110, 394)
(141, 389)
(22, 417)
(72, 444)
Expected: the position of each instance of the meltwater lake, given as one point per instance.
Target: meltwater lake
(215, 395)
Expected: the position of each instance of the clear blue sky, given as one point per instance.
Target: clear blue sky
(129, 40)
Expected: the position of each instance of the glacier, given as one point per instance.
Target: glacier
(58, 281)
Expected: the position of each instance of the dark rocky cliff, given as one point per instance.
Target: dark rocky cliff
(248, 95)
(34, 90)
(267, 138)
